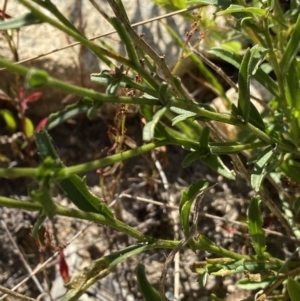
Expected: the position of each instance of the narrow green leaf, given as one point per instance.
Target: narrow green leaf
(256, 118)
(18, 22)
(215, 163)
(9, 119)
(148, 291)
(171, 4)
(211, 160)
(248, 284)
(67, 113)
(292, 48)
(235, 60)
(292, 80)
(190, 158)
(202, 279)
(252, 30)
(204, 138)
(255, 223)
(164, 92)
(130, 47)
(183, 117)
(259, 171)
(149, 128)
(293, 288)
(74, 187)
(233, 8)
(257, 56)
(244, 87)
(53, 9)
(220, 3)
(186, 201)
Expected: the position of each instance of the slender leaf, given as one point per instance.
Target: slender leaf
(186, 201)
(244, 87)
(53, 9)
(292, 80)
(233, 8)
(235, 60)
(18, 22)
(255, 223)
(183, 117)
(293, 288)
(211, 160)
(130, 47)
(204, 138)
(171, 4)
(202, 279)
(292, 48)
(74, 187)
(67, 113)
(254, 283)
(148, 291)
(220, 3)
(148, 131)
(259, 171)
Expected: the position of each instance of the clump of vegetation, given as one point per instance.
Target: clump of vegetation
(267, 141)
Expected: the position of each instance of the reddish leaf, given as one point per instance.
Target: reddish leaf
(63, 268)
(41, 124)
(33, 97)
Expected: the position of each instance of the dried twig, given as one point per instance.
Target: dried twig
(26, 264)
(14, 294)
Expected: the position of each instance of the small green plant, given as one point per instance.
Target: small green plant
(270, 140)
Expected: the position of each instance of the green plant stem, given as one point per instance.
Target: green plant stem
(275, 65)
(84, 167)
(80, 168)
(55, 83)
(70, 212)
(119, 226)
(174, 102)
